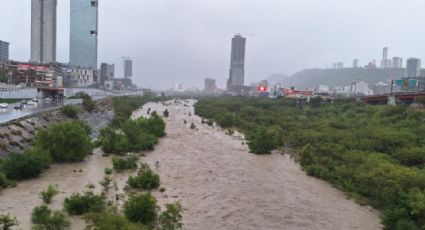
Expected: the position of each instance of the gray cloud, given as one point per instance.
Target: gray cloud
(187, 40)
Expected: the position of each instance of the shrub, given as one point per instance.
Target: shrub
(24, 166)
(105, 183)
(44, 218)
(108, 171)
(48, 194)
(3, 180)
(192, 126)
(171, 218)
(141, 208)
(79, 204)
(66, 141)
(110, 220)
(70, 111)
(129, 162)
(166, 113)
(7, 222)
(88, 104)
(146, 179)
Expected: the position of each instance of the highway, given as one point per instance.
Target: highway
(10, 113)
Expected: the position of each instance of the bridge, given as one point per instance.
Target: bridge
(394, 98)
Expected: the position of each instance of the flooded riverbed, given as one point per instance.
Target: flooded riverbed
(222, 186)
(219, 184)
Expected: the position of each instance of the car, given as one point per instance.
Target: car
(24, 102)
(31, 103)
(35, 100)
(48, 99)
(4, 106)
(18, 106)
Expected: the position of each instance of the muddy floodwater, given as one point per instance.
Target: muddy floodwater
(218, 182)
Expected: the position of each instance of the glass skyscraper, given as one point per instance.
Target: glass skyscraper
(83, 33)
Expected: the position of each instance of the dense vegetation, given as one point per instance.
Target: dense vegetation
(63, 142)
(124, 107)
(374, 153)
(128, 135)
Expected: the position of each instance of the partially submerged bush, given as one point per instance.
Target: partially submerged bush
(141, 209)
(146, 179)
(124, 163)
(48, 194)
(44, 218)
(79, 204)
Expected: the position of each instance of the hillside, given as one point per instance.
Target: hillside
(336, 77)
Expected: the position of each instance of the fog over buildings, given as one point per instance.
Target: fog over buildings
(186, 40)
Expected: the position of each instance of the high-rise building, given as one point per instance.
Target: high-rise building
(413, 67)
(107, 72)
(128, 71)
(210, 86)
(356, 63)
(43, 31)
(385, 63)
(4, 51)
(397, 62)
(237, 62)
(83, 33)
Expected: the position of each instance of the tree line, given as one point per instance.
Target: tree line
(374, 153)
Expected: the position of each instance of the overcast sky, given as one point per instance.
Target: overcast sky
(185, 41)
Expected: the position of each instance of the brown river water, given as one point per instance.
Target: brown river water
(218, 182)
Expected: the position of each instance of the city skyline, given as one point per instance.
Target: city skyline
(283, 41)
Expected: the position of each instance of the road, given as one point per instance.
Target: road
(11, 113)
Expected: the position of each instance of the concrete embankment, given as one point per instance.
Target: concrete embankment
(18, 135)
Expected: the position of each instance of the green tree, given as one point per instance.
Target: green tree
(262, 142)
(25, 166)
(171, 218)
(141, 208)
(66, 142)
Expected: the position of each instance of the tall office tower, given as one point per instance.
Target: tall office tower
(237, 62)
(43, 31)
(397, 62)
(209, 85)
(128, 70)
(413, 67)
(356, 63)
(107, 72)
(83, 33)
(385, 63)
(4, 51)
